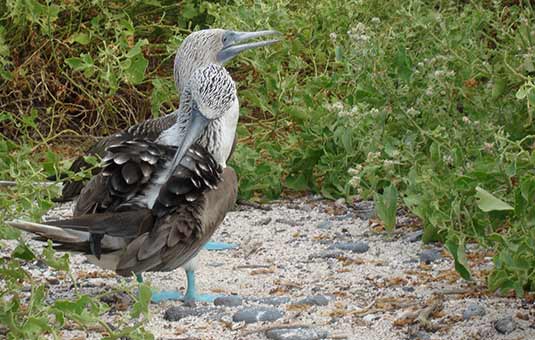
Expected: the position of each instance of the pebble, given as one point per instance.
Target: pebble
(272, 300)
(255, 314)
(369, 317)
(326, 224)
(505, 325)
(420, 335)
(355, 247)
(315, 300)
(430, 255)
(288, 222)
(264, 221)
(473, 309)
(297, 334)
(178, 312)
(408, 289)
(326, 254)
(365, 210)
(415, 236)
(228, 301)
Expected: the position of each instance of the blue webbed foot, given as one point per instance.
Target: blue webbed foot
(166, 295)
(200, 297)
(220, 246)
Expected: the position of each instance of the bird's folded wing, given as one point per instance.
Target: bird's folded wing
(128, 168)
(148, 130)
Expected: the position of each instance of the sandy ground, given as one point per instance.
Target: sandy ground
(288, 249)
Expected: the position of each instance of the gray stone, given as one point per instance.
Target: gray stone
(264, 221)
(355, 247)
(420, 335)
(288, 222)
(179, 312)
(326, 254)
(415, 236)
(316, 300)
(228, 301)
(473, 309)
(365, 210)
(272, 300)
(326, 224)
(505, 325)
(430, 255)
(408, 289)
(255, 314)
(297, 334)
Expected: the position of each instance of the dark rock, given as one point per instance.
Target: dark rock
(473, 309)
(408, 289)
(326, 224)
(288, 222)
(355, 247)
(255, 314)
(415, 236)
(326, 254)
(316, 300)
(228, 301)
(297, 334)
(430, 255)
(264, 221)
(272, 300)
(179, 312)
(52, 280)
(505, 325)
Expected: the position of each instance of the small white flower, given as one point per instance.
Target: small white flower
(413, 112)
(466, 120)
(333, 36)
(376, 21)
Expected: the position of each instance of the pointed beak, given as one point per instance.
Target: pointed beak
(197, 125)
(232, 48)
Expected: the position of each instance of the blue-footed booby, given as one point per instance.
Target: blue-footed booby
(210, 46)
(157, 201)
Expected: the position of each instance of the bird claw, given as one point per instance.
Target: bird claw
(220, 246)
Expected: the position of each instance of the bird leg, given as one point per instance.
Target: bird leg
(191, 291)
(220, 246)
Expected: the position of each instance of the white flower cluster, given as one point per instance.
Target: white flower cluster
(358, 33)
(358, 110)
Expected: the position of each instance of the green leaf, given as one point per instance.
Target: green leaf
(135, 73)
(136, 50)
(82, 38)
(403, 64)
(23, 252)
(456, 249)
(386, 206)
(487, 202)
(59, 263)
(143, 299)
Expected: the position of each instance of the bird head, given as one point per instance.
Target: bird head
(213, 46)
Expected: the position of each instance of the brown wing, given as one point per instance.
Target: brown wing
(148, 130)
(128, 169)
(179, 234)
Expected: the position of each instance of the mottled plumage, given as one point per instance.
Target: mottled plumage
(213, 46)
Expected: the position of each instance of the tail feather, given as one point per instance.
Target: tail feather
(49, 232)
